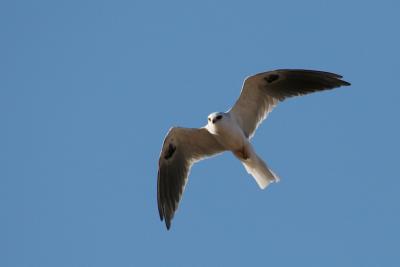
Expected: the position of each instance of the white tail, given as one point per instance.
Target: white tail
(259, 170)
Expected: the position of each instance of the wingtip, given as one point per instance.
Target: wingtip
(168, 224)
(337, 77)
(346, 83)
(343, 82)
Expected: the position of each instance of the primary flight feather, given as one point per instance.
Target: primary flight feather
(232, 131)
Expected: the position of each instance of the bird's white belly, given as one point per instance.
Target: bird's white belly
(230, 136)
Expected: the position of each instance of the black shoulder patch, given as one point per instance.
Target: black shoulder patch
(170, 151)
(272, 77)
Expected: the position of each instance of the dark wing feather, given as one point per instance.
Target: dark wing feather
(182, 147)
(261, 93)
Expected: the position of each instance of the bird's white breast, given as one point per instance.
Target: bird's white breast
(228, 133)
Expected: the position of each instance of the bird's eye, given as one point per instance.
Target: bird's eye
(219, 117)
(209, 119)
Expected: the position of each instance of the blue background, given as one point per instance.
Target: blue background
(88, 90)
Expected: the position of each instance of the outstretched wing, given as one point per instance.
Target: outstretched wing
(262, 92)
(182, 147)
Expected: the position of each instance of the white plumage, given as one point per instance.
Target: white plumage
(232, 131)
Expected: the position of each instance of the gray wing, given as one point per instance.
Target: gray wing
(182, 147)
(262, 92)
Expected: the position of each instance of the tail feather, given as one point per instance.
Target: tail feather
(263, 175)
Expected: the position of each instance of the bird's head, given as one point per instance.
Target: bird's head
(215, 117)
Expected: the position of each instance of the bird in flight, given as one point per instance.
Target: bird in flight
(232, 131)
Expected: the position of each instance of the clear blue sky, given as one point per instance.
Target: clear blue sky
(88, 90)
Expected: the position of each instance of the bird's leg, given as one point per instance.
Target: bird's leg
(242, 153)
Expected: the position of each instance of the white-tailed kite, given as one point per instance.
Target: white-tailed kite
(232, 131)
